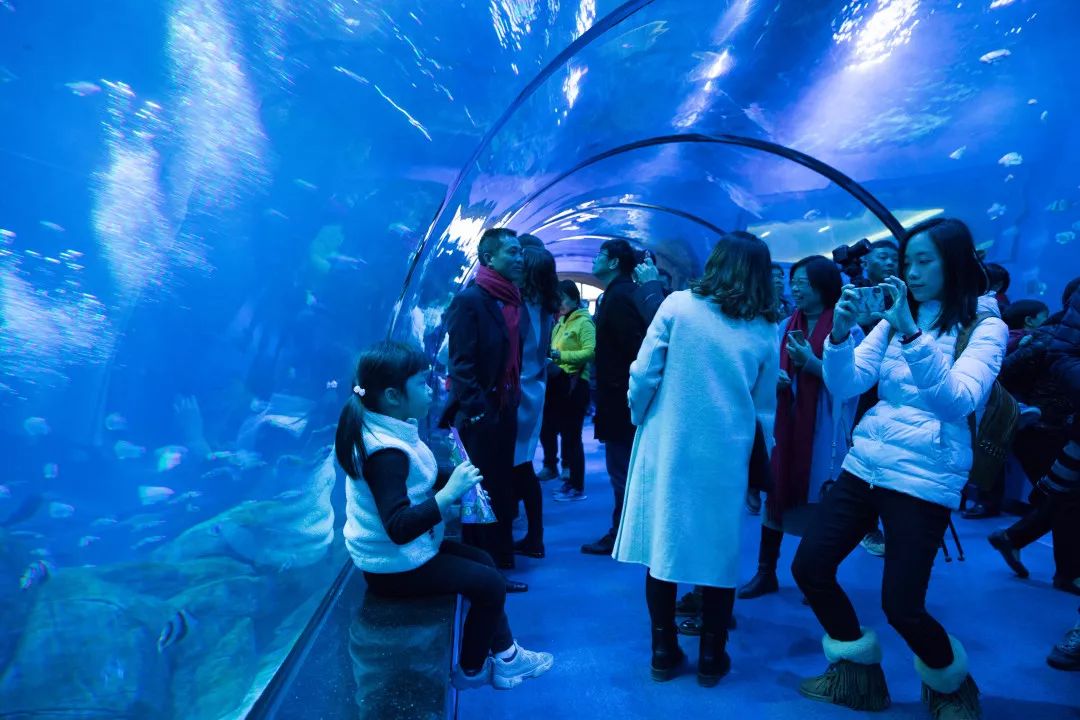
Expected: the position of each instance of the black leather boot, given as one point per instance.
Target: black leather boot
(667, 657)
(713, 660)
(765, 581)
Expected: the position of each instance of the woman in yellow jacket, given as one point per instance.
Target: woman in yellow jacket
(573, 347)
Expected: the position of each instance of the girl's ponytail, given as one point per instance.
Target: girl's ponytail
(349, 440)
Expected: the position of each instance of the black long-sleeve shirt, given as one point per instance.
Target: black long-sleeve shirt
(386, 473)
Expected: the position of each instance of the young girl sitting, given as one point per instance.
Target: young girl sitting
(394, 530)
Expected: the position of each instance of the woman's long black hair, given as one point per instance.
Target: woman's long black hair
(965, 276)
(385, 365)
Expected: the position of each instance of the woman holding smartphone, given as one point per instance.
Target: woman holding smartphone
(908, 464)
(811, 429)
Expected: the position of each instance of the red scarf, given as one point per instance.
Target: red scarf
(796, 418)
(509, 297)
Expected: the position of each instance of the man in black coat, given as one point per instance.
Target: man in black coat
(622, 317)
(485, 324)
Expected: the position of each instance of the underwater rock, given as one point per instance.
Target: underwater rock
(51, 673)
(214, 683)
(275, 535)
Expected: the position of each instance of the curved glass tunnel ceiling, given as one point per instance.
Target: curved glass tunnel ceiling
(208, 207)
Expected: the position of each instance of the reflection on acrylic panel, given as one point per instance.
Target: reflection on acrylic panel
(210, 206)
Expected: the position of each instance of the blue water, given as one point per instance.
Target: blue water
(207, 207)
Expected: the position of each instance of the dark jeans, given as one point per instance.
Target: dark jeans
(716, 604)
(458, 569)
(1059, 515)
(565, 405)
(914, 529)
(617, 455)
(490, 444)
(527, 487)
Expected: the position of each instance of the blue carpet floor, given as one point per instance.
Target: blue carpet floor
(590, 612)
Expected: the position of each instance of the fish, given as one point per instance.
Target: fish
(1010, 177)
(1059, 206)
(8, 234)
(148, 541)
(812, 215)
(996, 210)
(1045, 114)
(6, 75)
(35, 573)
(88, 540)
(1064, 238)
(1032, 101)
(331, 385)
(5, 492)
(289, 495)
(49, 225)
(61, 510)
(169, 457)
(1011, 159)
(51, 471)
(115, 421)
(1000, 3)
(83, 88)
(274, 213)
(143, 526)
(1076, 226)
(175, 629)
(399, 227)
(184, 496)
(191, 507)
(36, 426)
(125, 450)
(302, 183)
(995, 56)
(41, 552)
(27, 534)
(153, 494)
(958, 152)
(104, 522)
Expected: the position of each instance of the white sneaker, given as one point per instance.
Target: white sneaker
(525, 664)
(461, 681)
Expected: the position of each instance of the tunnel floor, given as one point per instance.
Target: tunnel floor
(590, 612)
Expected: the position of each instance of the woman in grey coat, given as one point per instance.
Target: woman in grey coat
(707, 370)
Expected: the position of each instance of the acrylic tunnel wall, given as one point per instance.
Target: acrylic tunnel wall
(208, 207)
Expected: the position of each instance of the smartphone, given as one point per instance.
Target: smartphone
(869, 300)
(797, 336)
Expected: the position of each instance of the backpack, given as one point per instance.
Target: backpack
(992, 437)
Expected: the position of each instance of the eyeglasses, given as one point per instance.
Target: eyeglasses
(602, 253)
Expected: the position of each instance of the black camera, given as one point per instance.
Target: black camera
(849, 258)
(849, 254)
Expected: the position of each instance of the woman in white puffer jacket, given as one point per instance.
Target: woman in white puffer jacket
(910, 458)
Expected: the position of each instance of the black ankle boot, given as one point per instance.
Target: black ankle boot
(765, 581)
(713, 660)
(667, 656)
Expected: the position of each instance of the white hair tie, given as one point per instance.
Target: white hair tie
(359, 390)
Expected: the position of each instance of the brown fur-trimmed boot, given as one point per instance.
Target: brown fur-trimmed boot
(854, 677)
(950, 692)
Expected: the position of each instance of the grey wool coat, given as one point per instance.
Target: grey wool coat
(699, 383)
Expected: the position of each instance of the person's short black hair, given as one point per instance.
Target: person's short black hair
(622, 251)
(492, 241)
(1019, 311)
(885, 243)
(824, 277)
(998, 276)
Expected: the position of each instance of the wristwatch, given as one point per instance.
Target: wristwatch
(908, 339)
